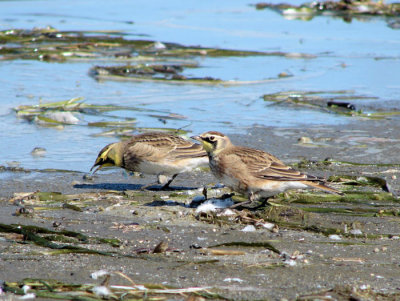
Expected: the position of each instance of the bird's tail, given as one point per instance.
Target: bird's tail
(322, 186)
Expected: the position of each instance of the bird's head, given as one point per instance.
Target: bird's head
(213, 142)
(110, 155)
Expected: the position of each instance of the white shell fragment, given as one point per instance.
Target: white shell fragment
(99, 273)
(212, 205)
(249, 228)
(233, 280)
(335, 237)
(101, 291)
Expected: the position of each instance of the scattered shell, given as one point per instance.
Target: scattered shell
(26, 288)
(159, 46)
(356, 232)
(213, 204)
(63, 117)
(101, 291)
(99, 273)
(227, 212)
(268, 226)
(233, 280)
(249, 228)
(335, 237)
(290, 262)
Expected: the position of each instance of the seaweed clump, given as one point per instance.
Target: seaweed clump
(346, 9)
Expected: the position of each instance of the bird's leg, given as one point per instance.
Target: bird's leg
(263, 203)
(249, 201)
(252, 198)
(161, 179)
(166, 185)
(205, 193)
(239, 204)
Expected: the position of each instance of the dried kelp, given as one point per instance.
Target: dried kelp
(346, 9)
(327, 101)
(147, 60)
(50, 44)
(70, 112)
(39, 236)
(350, 293)
(170, 73)
(53, 289)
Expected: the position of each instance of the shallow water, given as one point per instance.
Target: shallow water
(361, 56)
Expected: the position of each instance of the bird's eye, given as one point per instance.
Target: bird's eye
(212, 138)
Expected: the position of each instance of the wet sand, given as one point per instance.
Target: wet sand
(310, 262)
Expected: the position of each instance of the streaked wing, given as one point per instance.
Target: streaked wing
(188, 150)
(266, 166)
(156, 146)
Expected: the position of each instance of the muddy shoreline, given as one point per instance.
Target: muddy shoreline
(310, 262)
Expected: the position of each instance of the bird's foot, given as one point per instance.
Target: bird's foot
(147, 186)
(240, 205)
(244, 205)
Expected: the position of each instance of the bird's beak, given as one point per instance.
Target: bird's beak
(98, 163)
(98, 167)
(198, 138)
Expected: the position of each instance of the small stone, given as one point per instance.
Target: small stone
(38, 152)
(376, 250)
(283, 74)
(56, 224)
(384, 249)
(304, 140)
(87, 177)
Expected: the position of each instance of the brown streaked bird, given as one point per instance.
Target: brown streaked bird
(252, 172)
(162, 154)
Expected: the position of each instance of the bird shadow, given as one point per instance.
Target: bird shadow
(165, 203)
(109, 186)
(125, 186)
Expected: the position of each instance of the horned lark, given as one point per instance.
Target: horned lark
(253, 172)
(162, 154)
